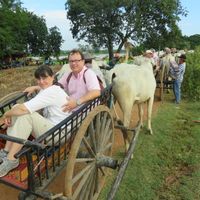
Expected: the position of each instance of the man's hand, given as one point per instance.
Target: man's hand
(70, 105)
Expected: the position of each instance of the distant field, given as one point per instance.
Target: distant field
(17, 79)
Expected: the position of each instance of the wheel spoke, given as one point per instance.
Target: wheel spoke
(88, 147)
(96, 182)
(92, 136)
(108, 146)
(107, 138)
(107, 127)
(107, 132)
(81, 173)
(91, 192)
(82, 182)
(103, 124)
(98, 126)
(88, 188)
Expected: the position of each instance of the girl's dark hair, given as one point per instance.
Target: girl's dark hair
(43, 71)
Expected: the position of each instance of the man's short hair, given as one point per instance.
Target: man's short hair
(76, 51)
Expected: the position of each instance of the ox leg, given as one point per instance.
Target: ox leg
(126, 106)
(140, 115)
(149, 113)
(127, 136)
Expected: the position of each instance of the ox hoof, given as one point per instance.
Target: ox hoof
(150, 132)
(131, 156)
(139, 124)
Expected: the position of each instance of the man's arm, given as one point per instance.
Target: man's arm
(89, 96)
(72, 103)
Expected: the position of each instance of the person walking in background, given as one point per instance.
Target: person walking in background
(177, 73)
(128, 46)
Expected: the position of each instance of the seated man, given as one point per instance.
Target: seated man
(23, 120)
(80, 91)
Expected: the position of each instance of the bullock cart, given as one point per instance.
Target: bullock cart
(81, 146)
(164, 81)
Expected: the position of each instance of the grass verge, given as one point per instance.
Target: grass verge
(166, 166)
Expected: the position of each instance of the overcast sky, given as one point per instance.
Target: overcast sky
(54, 13)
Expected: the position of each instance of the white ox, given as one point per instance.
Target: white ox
(165, 62)
(133, 84)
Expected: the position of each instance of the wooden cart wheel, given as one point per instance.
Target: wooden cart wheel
(93, 141)
(10, 96)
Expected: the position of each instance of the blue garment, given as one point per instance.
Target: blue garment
(181, 71)
(178, 75)
(177, 90)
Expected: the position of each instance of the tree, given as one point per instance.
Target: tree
(54, 42)
(37, 34)
(191, 81)
(22, 31)
(171, 39)
(194, 40)
(107, 23)
(13, 21)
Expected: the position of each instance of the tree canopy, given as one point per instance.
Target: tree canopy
(54, 41)
(24, 31)
(194, 40)
(107, 23)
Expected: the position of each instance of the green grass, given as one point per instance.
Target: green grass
(166, 166)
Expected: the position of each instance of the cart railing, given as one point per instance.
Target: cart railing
(42, 159)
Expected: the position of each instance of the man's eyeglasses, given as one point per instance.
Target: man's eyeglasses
(75, 61)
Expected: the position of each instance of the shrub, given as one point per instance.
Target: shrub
(191, 81)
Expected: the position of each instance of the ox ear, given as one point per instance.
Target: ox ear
(113, 76)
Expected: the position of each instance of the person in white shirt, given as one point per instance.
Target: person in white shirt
(23, 119)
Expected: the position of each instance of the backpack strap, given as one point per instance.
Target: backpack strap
(70, 75)
(84, 75)
(84, 79)
(68, 78)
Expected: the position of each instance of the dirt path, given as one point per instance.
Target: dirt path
(9, 193)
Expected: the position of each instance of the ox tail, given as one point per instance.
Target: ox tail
(113, 76)
(113, 99)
